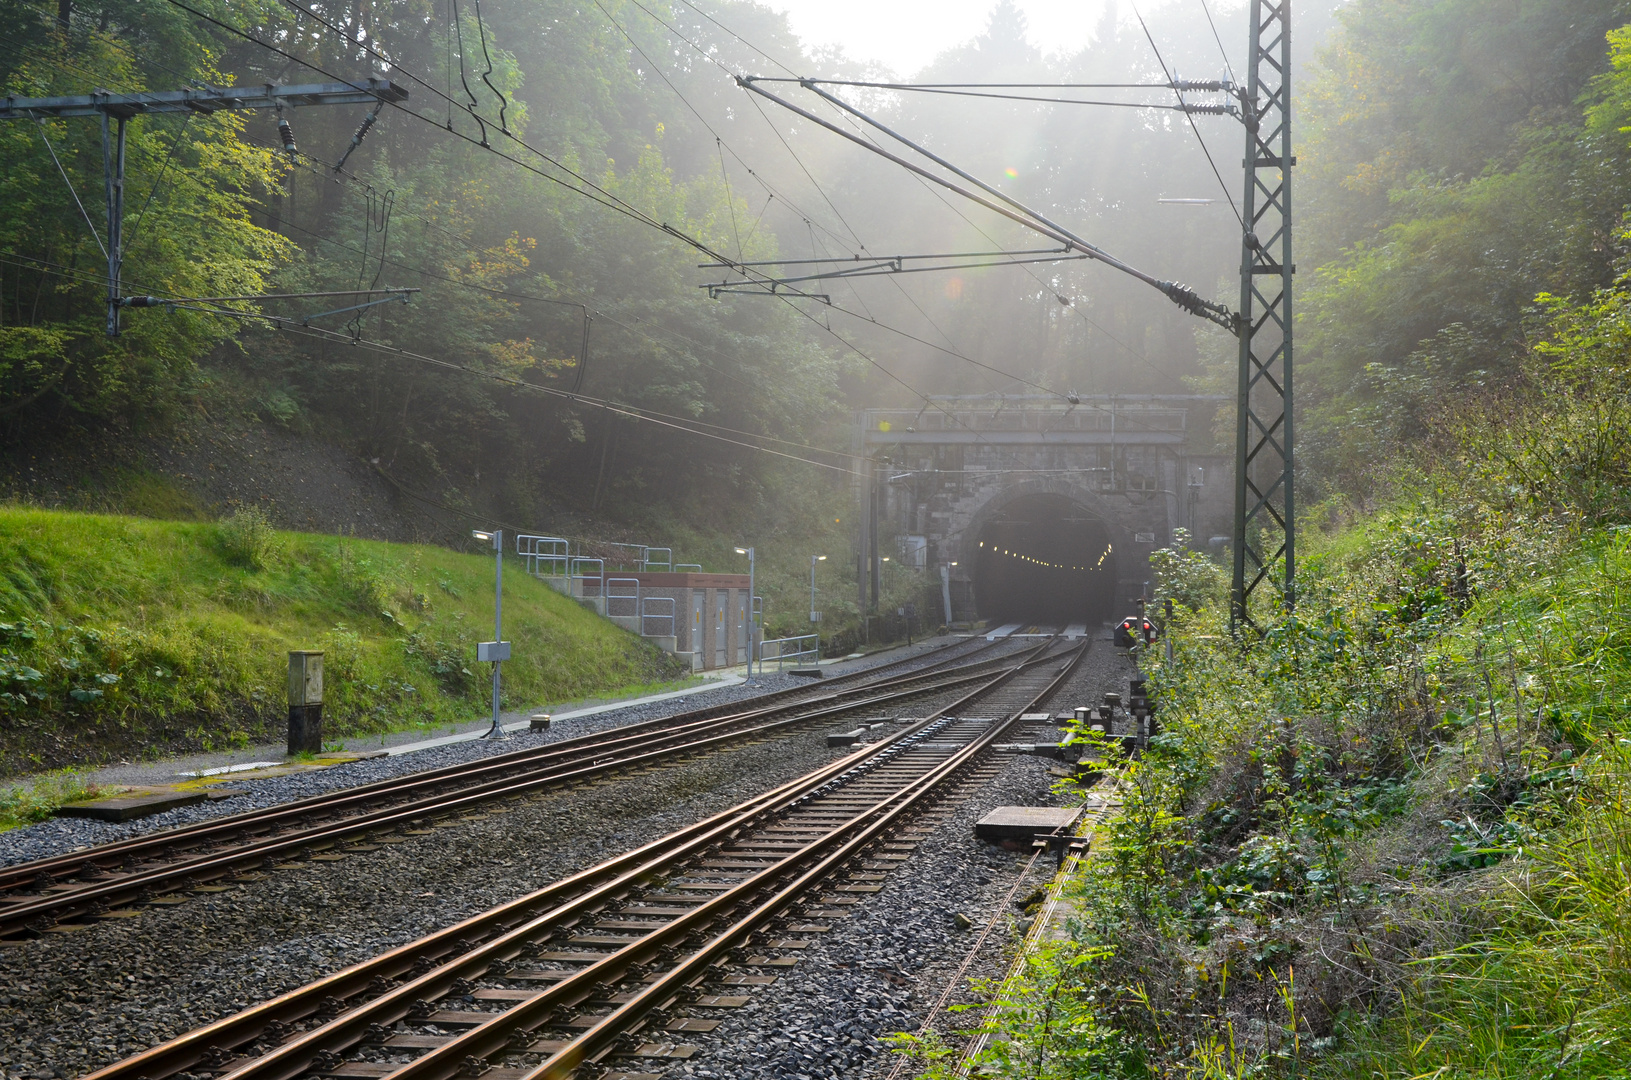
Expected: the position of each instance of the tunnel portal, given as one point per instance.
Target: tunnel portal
(1045, 559)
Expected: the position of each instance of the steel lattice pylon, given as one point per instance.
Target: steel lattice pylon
(1265, 529)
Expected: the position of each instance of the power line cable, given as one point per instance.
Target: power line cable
(1197, 131)
(1207, 8)
(938, 195)
(609, 200)
(866, 318)
(287, 324)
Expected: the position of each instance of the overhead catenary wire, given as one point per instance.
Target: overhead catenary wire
(1224, 53)
(869, 319)
(589, 190)
(795, 77)
(949, 348)
(1015, 211)
(1205, 109)
(1195, 130)
(288, 321)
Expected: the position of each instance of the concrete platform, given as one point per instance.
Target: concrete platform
(1025, 822)
(132, 806)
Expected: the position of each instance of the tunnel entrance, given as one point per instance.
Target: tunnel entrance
(1044, 559)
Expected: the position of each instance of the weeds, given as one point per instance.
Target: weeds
(248, 539)
(25, 804)
(1390, 839)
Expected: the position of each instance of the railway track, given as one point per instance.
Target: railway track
(95, 882)
(602, 973)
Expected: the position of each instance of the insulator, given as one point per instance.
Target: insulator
(362, 133)
(286, 133)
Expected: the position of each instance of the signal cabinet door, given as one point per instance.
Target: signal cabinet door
(720, 600)
(696, 627)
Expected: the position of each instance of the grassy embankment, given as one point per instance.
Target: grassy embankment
(123, 636)
(1392, 838)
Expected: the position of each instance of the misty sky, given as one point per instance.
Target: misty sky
(907, 34)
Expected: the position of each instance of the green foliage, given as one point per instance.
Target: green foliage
(248, 539)
(1038, 1024)
(25, 804)
(125, 636)
(1388, 838)
(1440, 198)
(1186, 577)
(195, 241)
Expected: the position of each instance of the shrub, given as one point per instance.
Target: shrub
(248, 539)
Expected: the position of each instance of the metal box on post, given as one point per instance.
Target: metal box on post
(305, 702)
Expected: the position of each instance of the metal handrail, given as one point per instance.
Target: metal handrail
(650, 561)
(613, 597)
(644, 615)
(687, 566)
(809, 651)
(543, 554)
(575, 568)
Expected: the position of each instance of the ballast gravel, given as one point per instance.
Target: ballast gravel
(880, 970)
(73, 1002)
(70, 1003)
(58, 836)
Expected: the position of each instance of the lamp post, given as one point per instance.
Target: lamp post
(815, 616)
(498, 650)
(753, 644)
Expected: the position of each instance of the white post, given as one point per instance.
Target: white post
(753, 644)
(497, 730)
(815, 615)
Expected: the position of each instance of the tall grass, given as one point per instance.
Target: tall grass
(1545, 989)
(123, 636)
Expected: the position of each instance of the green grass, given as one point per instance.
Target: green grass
(36, 800)
(124, 636)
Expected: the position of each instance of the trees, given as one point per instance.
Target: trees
(193, 184)
(1452, 174)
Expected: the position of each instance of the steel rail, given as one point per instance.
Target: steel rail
(42, 872)
(599, 1040)
(592, 758)
(545, 914)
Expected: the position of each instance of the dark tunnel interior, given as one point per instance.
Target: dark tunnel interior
(1045, 559)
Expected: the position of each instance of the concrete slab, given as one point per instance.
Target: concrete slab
(555, 718)
(132, 806)
(1075, 630)
(1002, 631)
(1025, 822)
